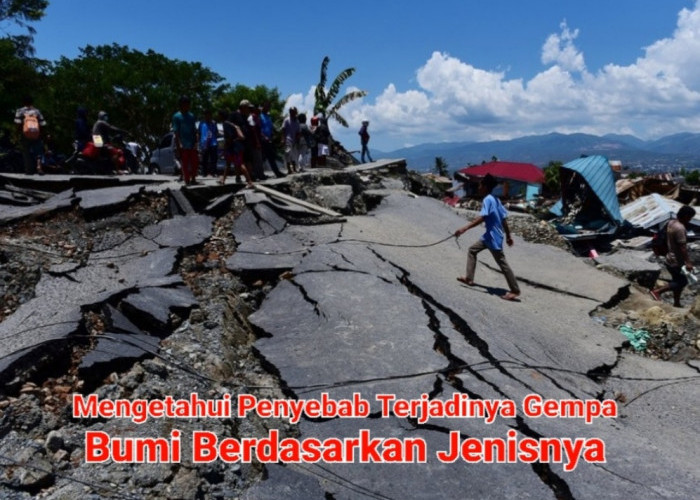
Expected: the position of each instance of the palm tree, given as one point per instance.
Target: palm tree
(324, 98)
(441, 167)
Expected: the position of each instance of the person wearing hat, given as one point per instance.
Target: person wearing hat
(493, 213)
(364, 140)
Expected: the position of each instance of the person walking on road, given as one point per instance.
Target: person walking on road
(494, 214)
(364, 141)
(678, 255)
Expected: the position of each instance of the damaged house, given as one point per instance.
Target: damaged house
(651, 212)
(588, 207)
(517, 180)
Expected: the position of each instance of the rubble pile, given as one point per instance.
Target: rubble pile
(207, 349)
(534, 230)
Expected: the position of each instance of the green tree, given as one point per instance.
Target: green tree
(693, 178)
(139, 90)
(20, 73)
(19, 76)
(230, 98)
(552, 177)
(324, 97)
(441, 167)
(22, 13)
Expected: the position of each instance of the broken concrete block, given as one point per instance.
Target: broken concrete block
(632, 265)
(257, 222)
(266, 257)
(35, 325)
(116, 352)
(118, 322)
(102, 202)
(180, 231)
(220, 206)
(179, 204)
(150, 308)
(336, 197)
(61, 201)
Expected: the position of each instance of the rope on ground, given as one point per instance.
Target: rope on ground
(355, 240)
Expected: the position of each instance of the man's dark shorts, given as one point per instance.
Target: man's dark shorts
(678, 279)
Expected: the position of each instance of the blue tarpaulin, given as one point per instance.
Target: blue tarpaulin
(597, 173)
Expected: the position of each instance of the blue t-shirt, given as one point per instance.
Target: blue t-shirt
(185, 126)
(493, 213)
(266, 126)
(207, 134)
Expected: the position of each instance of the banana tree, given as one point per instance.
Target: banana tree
(325, 96)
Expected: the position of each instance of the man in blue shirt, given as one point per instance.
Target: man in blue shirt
(267, 128)
(494, 214)
(208, 144)
(185, 129)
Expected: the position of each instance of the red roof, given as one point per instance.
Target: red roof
(524, 172)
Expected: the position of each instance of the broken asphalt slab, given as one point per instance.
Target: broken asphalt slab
(101, 202)
(115, 351)
(61, 201)
(378, 310)
(129, 267)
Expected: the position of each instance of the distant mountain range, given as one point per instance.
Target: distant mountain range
(669, 153)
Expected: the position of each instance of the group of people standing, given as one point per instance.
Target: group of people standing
(248, 141)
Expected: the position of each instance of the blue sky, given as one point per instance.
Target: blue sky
(434, 71)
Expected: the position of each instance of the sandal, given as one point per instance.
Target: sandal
(510, 296)
(465, 281)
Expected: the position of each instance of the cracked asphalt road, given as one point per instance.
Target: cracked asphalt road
(370, 318)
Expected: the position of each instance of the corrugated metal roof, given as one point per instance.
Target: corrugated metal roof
(597, 173)
(653, 210)
(525, 172)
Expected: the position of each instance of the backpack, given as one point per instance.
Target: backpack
(30, 126)
(659, 242)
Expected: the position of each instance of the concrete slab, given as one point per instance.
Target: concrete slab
(384, 313)
(279, 206)
(285, 482)
(101, 202)
(33, 326)
(220, 205)
(61, 201)
(118, 322)
(150, 308)
(354, 316)
(180, 205)
(430, 480)
(335, 197)
(632, 265)
(116, 351)
(180, 231)
(257, 222)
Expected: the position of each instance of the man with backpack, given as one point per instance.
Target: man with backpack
(677, 255)
(30, 123)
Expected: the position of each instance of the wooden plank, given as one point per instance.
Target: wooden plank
(296, 201)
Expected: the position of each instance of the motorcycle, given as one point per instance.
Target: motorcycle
(97, 158)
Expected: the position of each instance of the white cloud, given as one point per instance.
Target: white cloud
(560, 50)
(453, 100)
